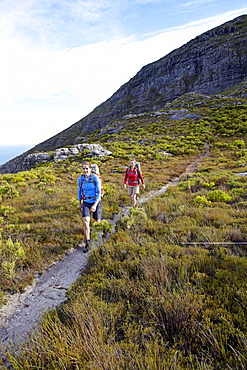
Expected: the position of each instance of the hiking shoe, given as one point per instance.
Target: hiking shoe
(87, 246)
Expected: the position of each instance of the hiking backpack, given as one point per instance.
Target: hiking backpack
(95, 171)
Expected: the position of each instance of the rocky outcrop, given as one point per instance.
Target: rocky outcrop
(30, 160)
(93, 150)
(177, 115)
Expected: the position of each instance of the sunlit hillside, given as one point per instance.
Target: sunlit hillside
(168, 289)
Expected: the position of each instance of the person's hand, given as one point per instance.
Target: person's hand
(143, 185)
(93, 208)
(79, 206)
(125, 186)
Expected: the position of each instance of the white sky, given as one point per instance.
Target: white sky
(61, 59)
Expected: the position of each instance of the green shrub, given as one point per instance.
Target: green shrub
(8, 192)
(201, 200)
(239, 143)
(218, 196)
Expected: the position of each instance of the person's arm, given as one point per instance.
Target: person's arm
(79, 193)
(97, 193)
(125, 177)
(97, 190)
(142, 178)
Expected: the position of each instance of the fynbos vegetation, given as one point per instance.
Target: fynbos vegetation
(168, 289)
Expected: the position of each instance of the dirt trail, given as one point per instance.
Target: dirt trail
(22, 311)
(19, 316)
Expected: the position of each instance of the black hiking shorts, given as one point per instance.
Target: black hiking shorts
(85, 210)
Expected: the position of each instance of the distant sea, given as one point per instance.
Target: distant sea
(8, 152)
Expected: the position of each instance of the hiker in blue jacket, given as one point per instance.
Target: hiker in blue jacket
(89, 196)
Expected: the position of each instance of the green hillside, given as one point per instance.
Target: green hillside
(168, 289)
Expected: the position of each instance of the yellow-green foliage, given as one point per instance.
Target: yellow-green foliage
(10, 255)
(167, 290)
(8, 192)
(137, 215)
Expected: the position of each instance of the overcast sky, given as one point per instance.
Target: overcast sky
(62, 58)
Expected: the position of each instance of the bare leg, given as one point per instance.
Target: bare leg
(133, 200)
(86, 227)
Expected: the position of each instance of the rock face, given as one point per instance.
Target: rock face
(30, 160)
(209, 64)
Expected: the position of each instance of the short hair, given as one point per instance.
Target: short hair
(87, 164)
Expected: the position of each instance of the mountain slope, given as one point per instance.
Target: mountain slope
(210, 63)
(180, 258)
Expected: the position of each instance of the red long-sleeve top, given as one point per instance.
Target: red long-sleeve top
(132, 177)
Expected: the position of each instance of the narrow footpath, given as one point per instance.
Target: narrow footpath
(23, 311)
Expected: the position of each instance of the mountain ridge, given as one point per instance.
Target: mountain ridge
(208, 64)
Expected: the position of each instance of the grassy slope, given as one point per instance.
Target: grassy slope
(168, 289)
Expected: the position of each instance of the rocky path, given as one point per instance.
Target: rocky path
(22, 311)
(19, 316)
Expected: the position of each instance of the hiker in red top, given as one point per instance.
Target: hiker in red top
(133, 176)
